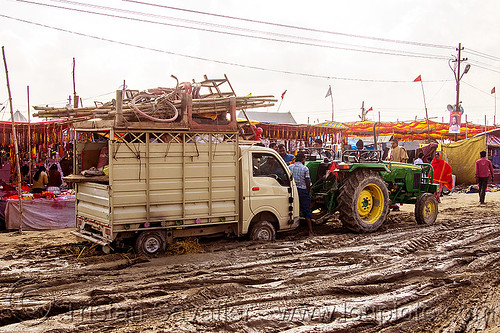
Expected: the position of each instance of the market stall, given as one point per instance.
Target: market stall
(302, 135)
(49, 142)
(41, 214)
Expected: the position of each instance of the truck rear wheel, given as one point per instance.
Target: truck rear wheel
(151, 243)
(426, 209)
(263, 231)
(363, 201)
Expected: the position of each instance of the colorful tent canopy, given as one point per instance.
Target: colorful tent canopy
(414, 130)
(333, 124)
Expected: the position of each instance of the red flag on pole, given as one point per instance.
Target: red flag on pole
(329, 92)
(493, 90)
(283, 94)
(370, 109)
(419, 78)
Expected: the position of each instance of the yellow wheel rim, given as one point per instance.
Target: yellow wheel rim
(429, 209)
(370, 203)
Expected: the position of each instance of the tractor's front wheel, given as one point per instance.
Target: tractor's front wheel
(363, 201)
(426, 209)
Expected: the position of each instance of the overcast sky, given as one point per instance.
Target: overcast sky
(41, 41)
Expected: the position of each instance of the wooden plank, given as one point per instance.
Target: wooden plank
(81, 179)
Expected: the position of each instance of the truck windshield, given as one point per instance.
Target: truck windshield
(267, 165)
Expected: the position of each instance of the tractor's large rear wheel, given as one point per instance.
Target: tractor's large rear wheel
(363, 201)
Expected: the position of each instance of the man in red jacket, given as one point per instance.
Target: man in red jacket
(484, 170)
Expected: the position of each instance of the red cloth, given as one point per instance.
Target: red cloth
(332, 168)
(484, 168)
(442, 173)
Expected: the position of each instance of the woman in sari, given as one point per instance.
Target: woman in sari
(442, 174)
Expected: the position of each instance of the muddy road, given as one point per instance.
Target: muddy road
(404, 278)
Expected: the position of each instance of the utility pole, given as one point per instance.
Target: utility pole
(75, 97)
(458, 76)
(364, 112)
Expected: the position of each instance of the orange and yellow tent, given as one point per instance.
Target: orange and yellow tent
(412, 130)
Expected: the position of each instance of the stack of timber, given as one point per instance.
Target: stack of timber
(165, 105)
(154, 106)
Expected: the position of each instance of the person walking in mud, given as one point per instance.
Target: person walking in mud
(484, 170)
(303, 180)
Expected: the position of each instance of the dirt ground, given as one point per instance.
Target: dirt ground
(405, 277)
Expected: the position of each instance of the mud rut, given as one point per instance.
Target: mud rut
(443, 277)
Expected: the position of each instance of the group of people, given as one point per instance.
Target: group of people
(316, 151)
(442, 172)
(47, 182)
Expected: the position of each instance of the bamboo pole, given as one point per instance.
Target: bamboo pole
(29, 137)
(14, 134)
(199, 107)
(75, 97)
(120, 121)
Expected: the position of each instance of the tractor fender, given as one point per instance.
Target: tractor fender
(375, 167)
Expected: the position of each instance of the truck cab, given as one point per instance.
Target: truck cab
(269, 191)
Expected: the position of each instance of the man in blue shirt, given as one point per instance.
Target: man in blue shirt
(286, 157)
(303, 180)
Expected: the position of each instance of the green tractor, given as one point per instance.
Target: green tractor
(362, 186)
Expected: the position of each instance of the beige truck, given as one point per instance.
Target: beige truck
(168, 184)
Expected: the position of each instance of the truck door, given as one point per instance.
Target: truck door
(270, 187)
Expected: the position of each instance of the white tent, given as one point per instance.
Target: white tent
(18, 117)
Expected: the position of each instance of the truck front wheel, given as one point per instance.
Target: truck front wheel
(426, 209)
(151, 243)
(263, 231)
(363, 201)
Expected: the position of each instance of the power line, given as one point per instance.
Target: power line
(484, 92)
(476, 62)
(101, 95)
(294, 27)
(206, 59)
(269, 33)
(384, 52)
(481, 54)
(486, 68)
